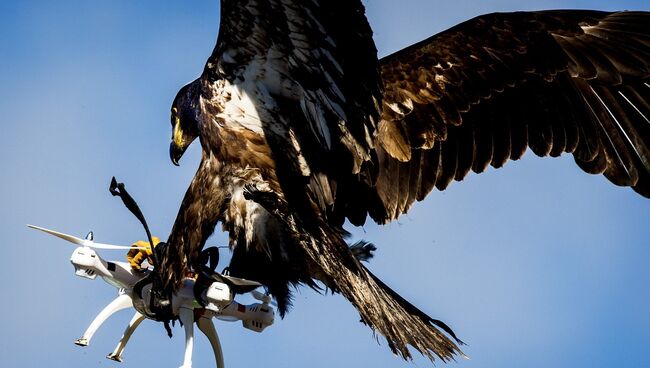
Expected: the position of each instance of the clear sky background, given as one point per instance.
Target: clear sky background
(533, 265)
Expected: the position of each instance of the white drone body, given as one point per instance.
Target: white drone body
(218, 296)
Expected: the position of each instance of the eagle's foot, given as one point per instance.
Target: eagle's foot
(265, 197)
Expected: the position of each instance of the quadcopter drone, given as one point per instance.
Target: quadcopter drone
(190, 304)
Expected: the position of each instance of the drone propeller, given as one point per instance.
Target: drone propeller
(88, 242)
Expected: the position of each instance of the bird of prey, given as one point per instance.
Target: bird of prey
(303, 128)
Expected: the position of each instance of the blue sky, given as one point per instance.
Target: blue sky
(533, 265)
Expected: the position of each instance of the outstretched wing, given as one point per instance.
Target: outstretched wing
(484, 91)
(315, 62)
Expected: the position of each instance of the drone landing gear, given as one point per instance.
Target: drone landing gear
(206, 326)
(186, 316)
(123, 301)
(116, 355)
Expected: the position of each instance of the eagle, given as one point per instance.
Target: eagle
(304, 130)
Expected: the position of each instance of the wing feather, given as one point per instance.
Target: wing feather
(327, 63)
(485, 91)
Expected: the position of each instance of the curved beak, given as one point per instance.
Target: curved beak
(175, 153)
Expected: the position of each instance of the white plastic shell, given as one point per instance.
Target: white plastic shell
(218, 295)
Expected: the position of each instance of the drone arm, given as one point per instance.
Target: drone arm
(116, 355)
(255, 317)
(121, 302)
(207, 327)
(186, 316)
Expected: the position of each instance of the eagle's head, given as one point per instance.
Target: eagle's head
(185, 120)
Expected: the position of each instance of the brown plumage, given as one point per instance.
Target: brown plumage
(484, 91)
(302, 128)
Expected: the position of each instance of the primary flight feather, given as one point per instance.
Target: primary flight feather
(302, 128)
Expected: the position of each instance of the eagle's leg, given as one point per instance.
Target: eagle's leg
(186, 316)
(207, 327)
(121, 302)
(116, 355)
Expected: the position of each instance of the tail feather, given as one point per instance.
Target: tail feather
(381, 308)
(413, 310)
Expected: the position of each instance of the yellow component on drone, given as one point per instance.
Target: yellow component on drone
(137, 256)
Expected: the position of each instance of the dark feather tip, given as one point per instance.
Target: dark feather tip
(363, 250)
